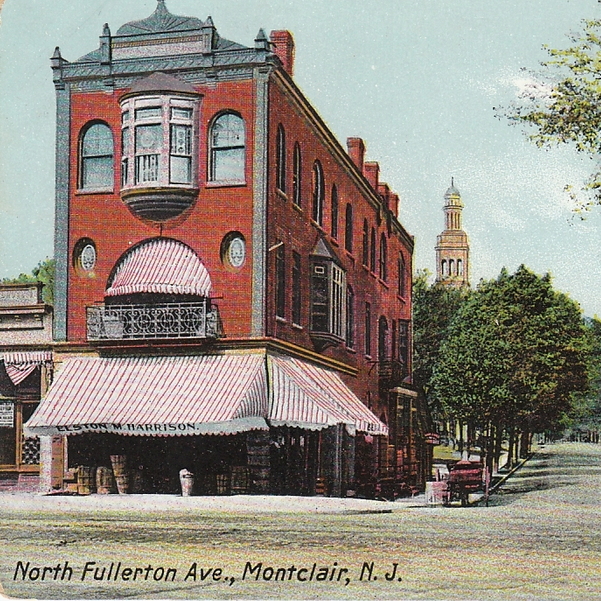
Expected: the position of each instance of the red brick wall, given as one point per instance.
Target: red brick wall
(296, 228)
(106, 220)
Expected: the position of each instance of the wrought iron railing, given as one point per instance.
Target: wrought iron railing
(142, 322)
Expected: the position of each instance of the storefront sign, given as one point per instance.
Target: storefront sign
(7, 414)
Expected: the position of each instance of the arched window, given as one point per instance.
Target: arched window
(383, 271)
(296, 176)
(459, 267)
(382, 339)
(348, 228)
(401, 280)
(372, 251)
(227, 140)
(365, 243)
(96, 158)
(350, 317)
(318, 193)
(451, 267)
(280, 159)
(334, 228)
(443, 268)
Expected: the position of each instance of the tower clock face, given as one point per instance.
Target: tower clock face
(236, 252)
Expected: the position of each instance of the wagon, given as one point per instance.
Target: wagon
(465, 478)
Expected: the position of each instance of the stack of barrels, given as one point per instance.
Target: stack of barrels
(119, 463)
(86, 480)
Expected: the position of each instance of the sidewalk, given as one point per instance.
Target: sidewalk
(226, 504)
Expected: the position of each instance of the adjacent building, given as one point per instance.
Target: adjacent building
(25, 372)
(233, 287)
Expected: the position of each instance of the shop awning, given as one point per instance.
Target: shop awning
(307, 396)
(159, 396)
(20, 364)
(207, 394)
(162, 266)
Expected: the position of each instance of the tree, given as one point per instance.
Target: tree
(434, 306)
(515, 354)
(563, 104)
(43, 273)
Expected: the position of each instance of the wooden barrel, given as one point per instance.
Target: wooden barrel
(86, 480)
(119, 463)
(105, 482)
(223, 484)
(320, 487)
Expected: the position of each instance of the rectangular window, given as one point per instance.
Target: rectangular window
(8, 444)
(280, 282)
(320, 298)
(403, 342)
(368, 329)
(180, 159)
(181, 113)
(148, 113)
(350, 318)
(296, 288)
(149, 140)
(124, 156)
(338, 293)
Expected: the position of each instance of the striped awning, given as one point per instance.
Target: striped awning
(161, 265)
(21, 364)
(159, 396)
(207, 394)
(311, 397)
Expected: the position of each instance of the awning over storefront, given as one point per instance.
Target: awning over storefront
(19, 365)
(307, 396)
(207, 394)
(161, 265)
(159, 396)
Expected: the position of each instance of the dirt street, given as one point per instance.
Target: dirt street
(539, 539)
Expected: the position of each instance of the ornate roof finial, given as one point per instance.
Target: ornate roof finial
(452, 182)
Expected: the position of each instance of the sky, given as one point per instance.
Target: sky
(418, 80)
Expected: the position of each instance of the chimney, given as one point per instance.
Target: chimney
(371, 171)
(283, 43)
(395, 204)
(356, 150)
(385, 192)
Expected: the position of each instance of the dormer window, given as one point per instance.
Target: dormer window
(328, 297)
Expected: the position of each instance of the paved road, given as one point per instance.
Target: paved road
(539, 539)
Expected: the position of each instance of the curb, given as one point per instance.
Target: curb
(508, 475)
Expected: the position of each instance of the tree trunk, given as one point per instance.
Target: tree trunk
(510, 451)
(498, 445)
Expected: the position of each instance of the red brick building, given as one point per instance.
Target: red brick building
(233, 286)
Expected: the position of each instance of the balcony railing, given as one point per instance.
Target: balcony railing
(143, 322)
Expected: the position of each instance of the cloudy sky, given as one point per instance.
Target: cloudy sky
(417, 79)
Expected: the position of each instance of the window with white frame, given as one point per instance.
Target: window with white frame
(328, 298)
(158, 144)
(96, 158)
(228, 149)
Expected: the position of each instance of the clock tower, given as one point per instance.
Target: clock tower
(452, 245)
